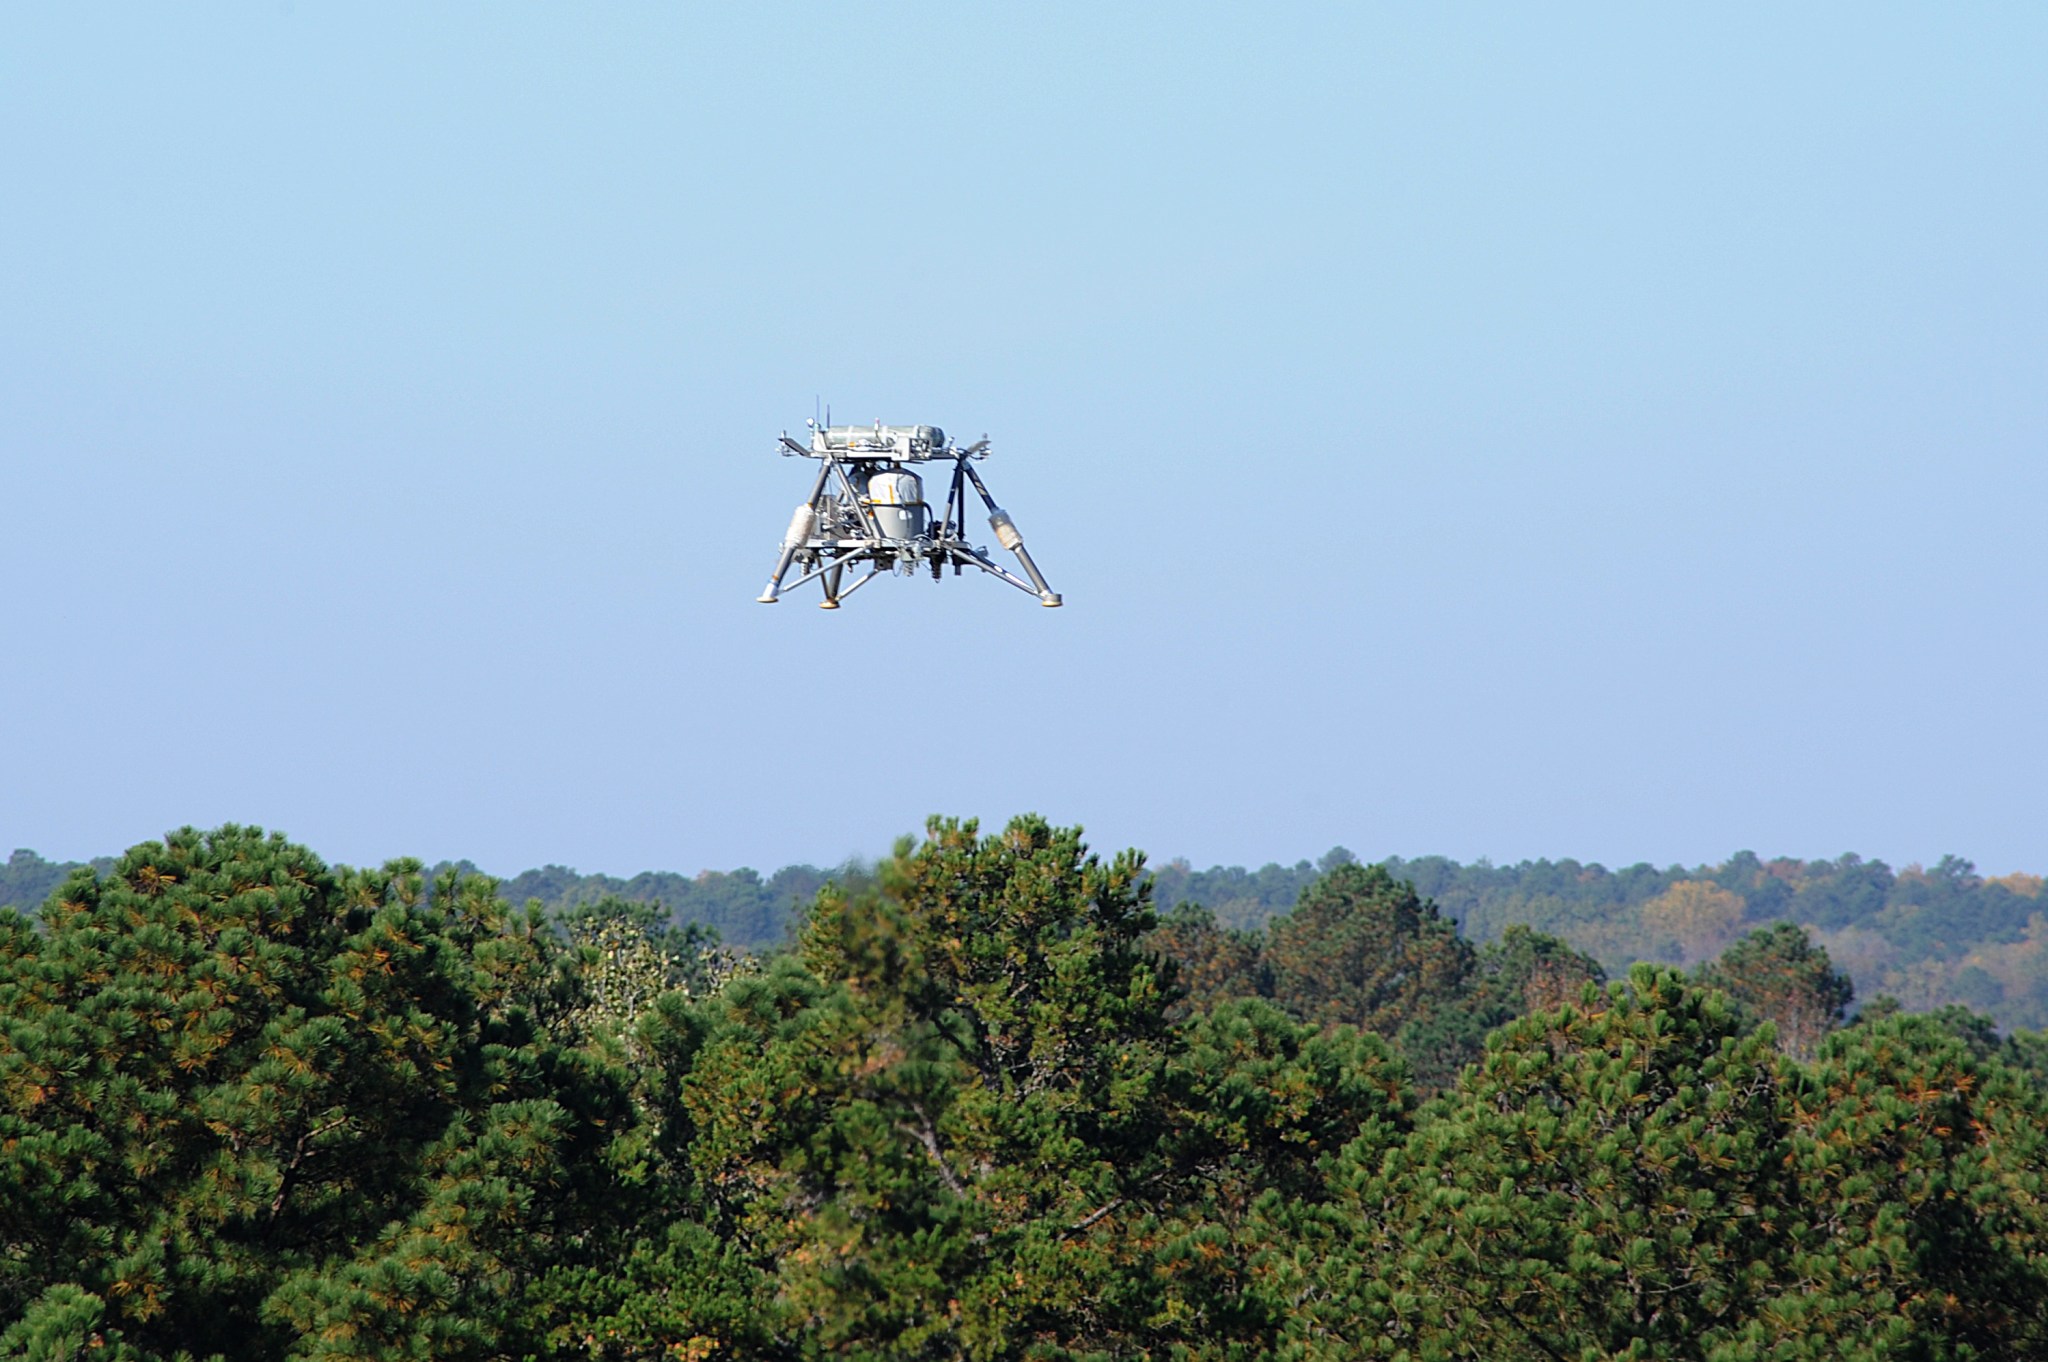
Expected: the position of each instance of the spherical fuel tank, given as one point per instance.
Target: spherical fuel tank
(897, 499)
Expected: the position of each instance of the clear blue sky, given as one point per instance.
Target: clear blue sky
(1599, 431)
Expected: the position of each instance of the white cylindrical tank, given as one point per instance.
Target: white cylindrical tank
(800, 526)
(897, 499)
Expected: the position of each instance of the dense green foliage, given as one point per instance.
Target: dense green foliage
(252, 1106)
(1363, 949)
(988, 1105)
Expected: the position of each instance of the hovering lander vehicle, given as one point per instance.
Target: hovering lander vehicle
(867, 511)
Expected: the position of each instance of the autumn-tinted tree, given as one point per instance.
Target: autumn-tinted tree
(1690, 921)
(1782, 977)
(1212, 964)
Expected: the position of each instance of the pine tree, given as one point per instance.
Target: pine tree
(1612, 1183)
(1921, 1174)
(251, 1106)
(1779, 975)
(1363, 949)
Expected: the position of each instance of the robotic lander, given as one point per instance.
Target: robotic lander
(867, 514)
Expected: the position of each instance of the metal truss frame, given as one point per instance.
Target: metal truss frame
(844, 535)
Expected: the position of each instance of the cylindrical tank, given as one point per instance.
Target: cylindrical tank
(1006, 530)
(800, 526)
(897, 499)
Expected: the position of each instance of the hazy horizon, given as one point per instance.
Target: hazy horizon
(1152, 860)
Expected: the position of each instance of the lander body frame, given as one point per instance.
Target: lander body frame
(867, 511)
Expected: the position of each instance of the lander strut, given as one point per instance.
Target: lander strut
(867, 514)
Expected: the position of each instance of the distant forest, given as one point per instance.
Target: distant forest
(1929, 937)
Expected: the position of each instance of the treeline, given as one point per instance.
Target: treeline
(255, 1106)
(739, 907)
(1363, 948)
(27, 879)
(1930, 937)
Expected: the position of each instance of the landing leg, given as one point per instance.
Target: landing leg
(1008, 535)
(794, 538)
